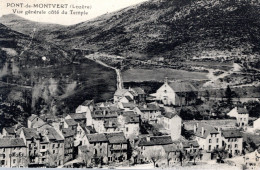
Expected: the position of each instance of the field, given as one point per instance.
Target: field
(158, 74)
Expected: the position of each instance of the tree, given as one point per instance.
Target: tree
(86, 156)
(220, 153)
(154, 154)
(54, 158)
(195, 155)
(229, 95)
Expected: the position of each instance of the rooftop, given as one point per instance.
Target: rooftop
(67, 132)
(242, 110)
(71, 122)
(11, 142)
(87, 102)
(120, 92)
(97, 137)
(155, 140)
(231, 133)
(149, 107)
(169, 115)
(207, 130)
(138, 90)
(10, 130)
(30, 133)
(182, 86)
(116, 138)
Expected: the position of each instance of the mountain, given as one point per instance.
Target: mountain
(170, 28)
(29, 51)
(25, 26)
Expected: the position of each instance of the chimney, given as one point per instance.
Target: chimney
(202, 131)
(148, 138)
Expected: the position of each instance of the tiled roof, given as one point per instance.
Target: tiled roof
(231, 133)
(169, 115)
(120, 92)
(155, 140)
(187, 144)
(129, 105)
(139, 90)
(182, 86)
(37, 124)
(71, 122)
(53, 134)
(132, 118)
(149, 107)
(116, 138)
(67, 132)
(78, 116)
(30, 133)
(242, 110)
(207, 130)
(133, 93)
(10, 143)
(97, 137)
(129, 98)
(10, 130)
(170, 147)
(87, 102)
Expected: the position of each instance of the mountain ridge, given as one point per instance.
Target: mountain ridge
(170, 29)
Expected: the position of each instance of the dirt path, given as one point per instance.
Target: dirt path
(118, 73)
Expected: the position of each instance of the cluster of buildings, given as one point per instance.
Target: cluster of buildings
(114, 132)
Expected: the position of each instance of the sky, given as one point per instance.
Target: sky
(92, 8)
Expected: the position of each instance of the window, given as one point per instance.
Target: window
(14, 160)
(217, 140)
(209, 140)
(58, 145)
(127, 129)
(53, 146)
(236, 146)
(217, 146)
(165, 91)
(2, 162)
(3, 149)
(43, 147)
(209, 147)
(94, 144)
(53, 151)
(3, 156)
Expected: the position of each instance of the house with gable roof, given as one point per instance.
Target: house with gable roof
(176, 93)
(242, 116)
(208, 137)
(31, 138)
(139, 94)
(233, 139)
(172, 122)
(121, 93)
(13, 153)
(118, 147)
(129, 123)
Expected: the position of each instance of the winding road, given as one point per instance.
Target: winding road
(118, 73)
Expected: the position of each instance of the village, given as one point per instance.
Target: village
(134, 128)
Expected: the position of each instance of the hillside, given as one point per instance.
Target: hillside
(25, 26)
(170, 28)
(27, 51)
